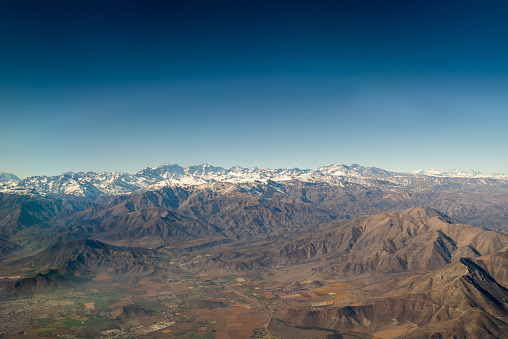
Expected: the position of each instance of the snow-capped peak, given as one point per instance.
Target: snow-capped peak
(460, 174)
(5, 177)
(92, 185)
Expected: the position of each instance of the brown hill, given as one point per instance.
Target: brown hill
(460, 300)
(19, 212)
(174, 215)
(240, 211)
(50, 280)
(497, 265)
(411, 240)
(90, 257)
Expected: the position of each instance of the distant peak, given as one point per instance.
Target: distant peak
(460, 174)
(8, 177)
(164, 165)
(93, 185)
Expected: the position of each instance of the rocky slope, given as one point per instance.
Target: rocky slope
(90, 257)
(233, 211)
(448, 293)
(432, 276)
(50, 280)
(173, 215)
(417, 239)
(460, 300)
(169, 203)
(66, 264)
(20, 212)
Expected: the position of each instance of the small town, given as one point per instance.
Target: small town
(177, 304)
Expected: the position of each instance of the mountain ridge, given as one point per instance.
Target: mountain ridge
(92, 185)
(414, 239)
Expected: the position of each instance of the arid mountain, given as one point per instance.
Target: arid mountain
(417, 239)
(400, 244)
(50, 280)
(417, 272)
(66, 264)
(234, 211)
(19, 212)
(173, 215)
(497, 265)
(90, 257)
(441, 293)
(460, 300)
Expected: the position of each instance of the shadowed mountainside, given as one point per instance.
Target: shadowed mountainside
(62, 264)
(460, 300)
(411, 240)
(234, 211)
(435, 276)
(50, 280)
(92, 257)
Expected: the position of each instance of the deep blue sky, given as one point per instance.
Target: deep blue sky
(120, 85)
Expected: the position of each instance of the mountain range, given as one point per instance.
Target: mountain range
(424, 254)
(92, 185)
(417, 273)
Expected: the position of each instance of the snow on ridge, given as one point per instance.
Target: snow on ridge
(460, 174)
(5, 177)
(92, 185)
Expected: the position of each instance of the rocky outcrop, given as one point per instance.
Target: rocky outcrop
(415, 239)
(461, 300)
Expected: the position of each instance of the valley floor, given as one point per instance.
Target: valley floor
(176, 304)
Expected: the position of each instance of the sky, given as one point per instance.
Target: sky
(121, 85)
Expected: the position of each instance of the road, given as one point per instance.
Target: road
(260, 306)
